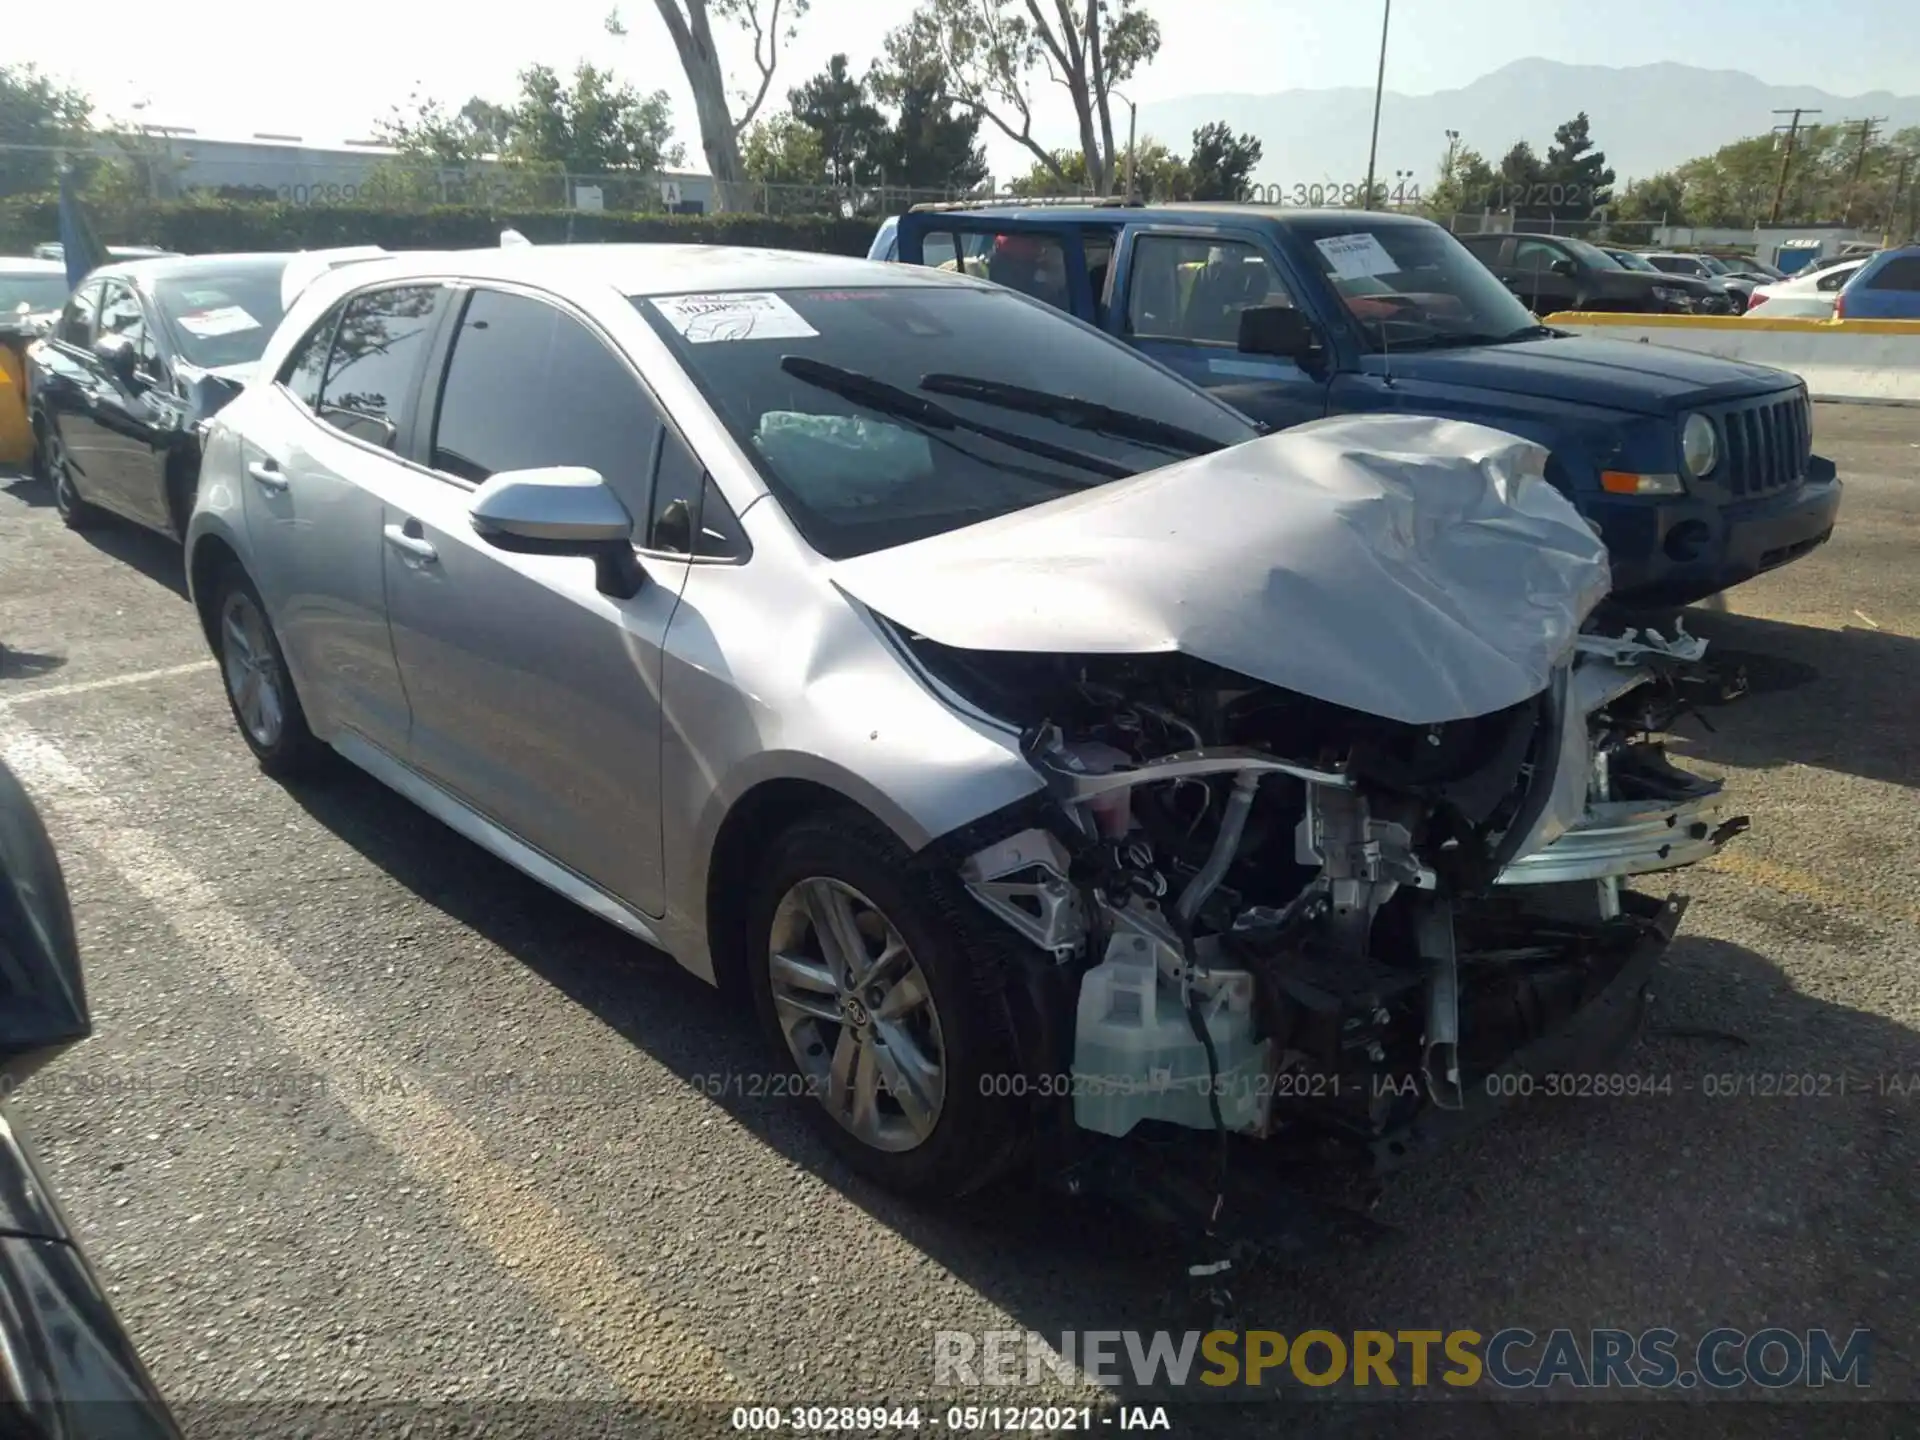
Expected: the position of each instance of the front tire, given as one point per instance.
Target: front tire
(891, 1024)
(259, 689)
(74, 512)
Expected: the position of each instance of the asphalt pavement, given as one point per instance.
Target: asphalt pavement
(368, 1117)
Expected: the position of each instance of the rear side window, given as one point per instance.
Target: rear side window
(528, 385)
(1900, 273)
(376, 356)
(306, 367)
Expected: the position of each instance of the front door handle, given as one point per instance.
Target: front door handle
(417, 547)
(267, 474)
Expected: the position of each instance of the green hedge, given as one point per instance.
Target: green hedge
(199, 228)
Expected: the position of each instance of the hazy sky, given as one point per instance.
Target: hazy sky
(233, 67)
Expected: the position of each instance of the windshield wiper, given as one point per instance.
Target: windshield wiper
(1073, 412)
(893, 400)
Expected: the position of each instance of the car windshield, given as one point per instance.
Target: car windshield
(24, 294)
(879, 415)
(1631, 261)
(222, 318)
(1714, 265)
(1411, 286)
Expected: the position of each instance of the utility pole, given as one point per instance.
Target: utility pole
(1867, 127)
(1793, 129)
(1893, 201)
(1379, 86)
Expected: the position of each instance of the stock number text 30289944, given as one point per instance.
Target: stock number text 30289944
(1394, 192)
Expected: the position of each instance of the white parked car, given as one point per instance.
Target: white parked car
(1808, 297)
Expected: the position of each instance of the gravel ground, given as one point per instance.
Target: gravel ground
(370, 1118)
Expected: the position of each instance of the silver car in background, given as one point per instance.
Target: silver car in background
(1043, 751)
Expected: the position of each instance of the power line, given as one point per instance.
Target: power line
(1793, 129)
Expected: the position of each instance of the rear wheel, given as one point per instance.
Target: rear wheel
(892, 1026)
(258, 687)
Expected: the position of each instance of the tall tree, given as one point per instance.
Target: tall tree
(34, 111)
(781, 151)
(772, 24)
(932, 144)
(1467, 185)
(1520, 184)
(592, 126)
(993, 51)
(1221, 162)
(852, 131)
(1577, 176)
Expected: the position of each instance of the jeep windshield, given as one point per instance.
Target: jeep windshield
(1412, 286)
(879, 415)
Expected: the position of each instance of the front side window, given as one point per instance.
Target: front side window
(1536, 254)
(528, 386)
(1410, 284)
(878, 415)
(376, 355)
(306, 367)
(1195, 289)
(77, 321)
(120, 314)
(222, 318)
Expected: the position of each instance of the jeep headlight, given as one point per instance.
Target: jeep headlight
(1699, 446)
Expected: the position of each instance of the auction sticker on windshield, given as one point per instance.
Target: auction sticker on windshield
(703, 319)
(1355, 257)
(227, 320)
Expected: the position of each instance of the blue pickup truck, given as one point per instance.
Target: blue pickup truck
(1699, 472)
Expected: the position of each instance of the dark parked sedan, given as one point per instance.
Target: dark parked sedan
(1559, 272)
(143, 352)
(69, 1370)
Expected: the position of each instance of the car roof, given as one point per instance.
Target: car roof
(1188, 209)
(645, 269)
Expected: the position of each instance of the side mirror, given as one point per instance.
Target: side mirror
(561, 510)
(116, 352)
(1563, 267)
(1278, 330)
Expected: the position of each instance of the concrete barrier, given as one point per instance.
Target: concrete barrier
(1868, 361)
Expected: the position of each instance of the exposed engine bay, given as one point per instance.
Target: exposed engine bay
(1276, 912)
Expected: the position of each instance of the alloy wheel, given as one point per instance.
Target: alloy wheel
(252, 672)
(857, 1014)
(65, 498)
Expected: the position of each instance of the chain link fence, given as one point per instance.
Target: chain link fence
(184, 169)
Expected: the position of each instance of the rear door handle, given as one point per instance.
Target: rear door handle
(417, 546)
(267, 474)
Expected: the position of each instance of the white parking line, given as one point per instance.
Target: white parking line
(602, 1310)
(111, 682)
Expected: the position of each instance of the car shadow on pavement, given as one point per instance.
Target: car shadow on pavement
(1841, 700)
(1713, 1198)
(27, 487)
(156, 556)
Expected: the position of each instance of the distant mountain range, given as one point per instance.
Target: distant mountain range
(1646, 118)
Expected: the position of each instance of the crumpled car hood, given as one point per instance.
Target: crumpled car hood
(1418, 569)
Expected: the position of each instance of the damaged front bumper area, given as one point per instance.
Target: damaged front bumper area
(1367, 943)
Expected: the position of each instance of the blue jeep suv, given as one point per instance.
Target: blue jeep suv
(1698, 471)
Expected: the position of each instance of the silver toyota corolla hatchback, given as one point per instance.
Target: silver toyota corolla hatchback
(1047, 754)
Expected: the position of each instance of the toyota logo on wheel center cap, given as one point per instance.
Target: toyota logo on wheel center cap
(855, 1012)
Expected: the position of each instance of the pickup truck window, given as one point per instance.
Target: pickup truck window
(1195, 289)
(1536, 254)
